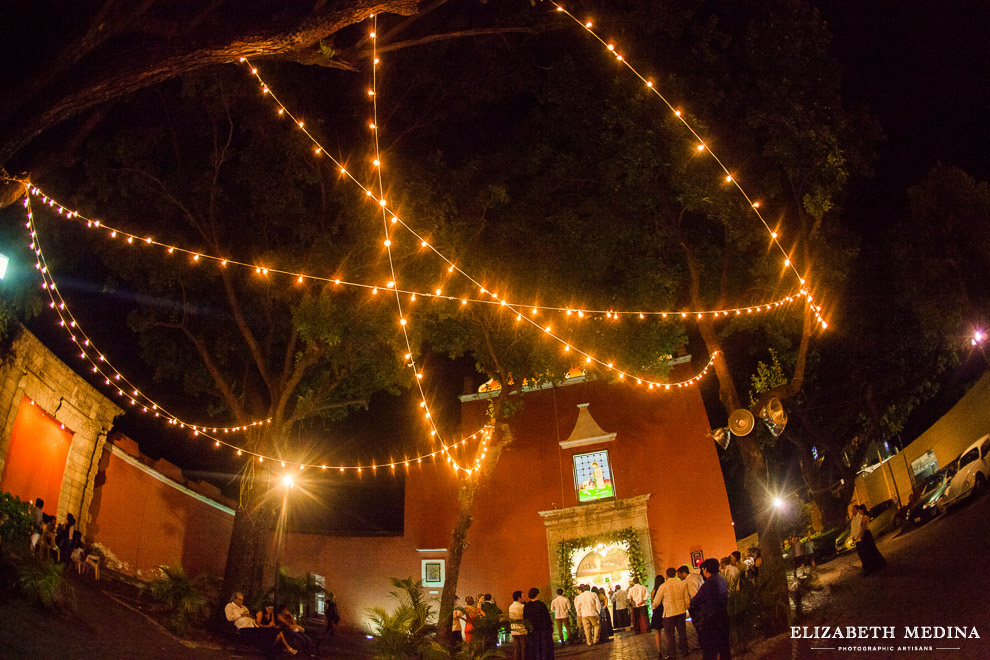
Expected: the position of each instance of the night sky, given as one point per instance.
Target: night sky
(921, 68)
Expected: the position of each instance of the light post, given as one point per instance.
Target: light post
(287, 483)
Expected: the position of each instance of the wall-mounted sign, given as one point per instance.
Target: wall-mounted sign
(593, 476)
(697, 557)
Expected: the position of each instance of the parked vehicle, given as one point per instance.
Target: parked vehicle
(929, 504)
(881, 521)
(972, 470)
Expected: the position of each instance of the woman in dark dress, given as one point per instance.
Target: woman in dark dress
(866, 547)
(539, 646)
(656, 616)
(604, 620)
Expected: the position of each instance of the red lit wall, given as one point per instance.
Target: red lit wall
(661, 449)
(146, 522)
(35, 461)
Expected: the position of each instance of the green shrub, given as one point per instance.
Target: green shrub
(184, 599)
(16, 521)
(43, 581)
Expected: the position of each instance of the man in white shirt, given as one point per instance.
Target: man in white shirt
(238, 614)
(561, 608)
(518, 630)
(673, 596)
(587, 607)
(621, 607)
(637, 597)
(246, 626)
(730, 572)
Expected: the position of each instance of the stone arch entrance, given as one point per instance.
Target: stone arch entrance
(593, 519)
(603, 565)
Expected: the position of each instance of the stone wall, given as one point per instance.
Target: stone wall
(35, 372)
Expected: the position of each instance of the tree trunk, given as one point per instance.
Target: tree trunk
(757, 477)
(253, 521)
(458, 539)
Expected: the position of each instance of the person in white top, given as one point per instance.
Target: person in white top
(587, 607)
(637, 597)
(237, 613)
(561, 608)
(673, 596)
(246, 626)
(518, 630)
(620, 605)
(730, 573)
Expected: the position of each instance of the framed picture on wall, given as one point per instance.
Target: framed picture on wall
(593, 476)
(697, 557)
(434, 573)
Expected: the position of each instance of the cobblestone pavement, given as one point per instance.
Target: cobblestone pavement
(625, 646)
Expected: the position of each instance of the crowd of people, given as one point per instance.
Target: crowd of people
(58, 541)
(599, 612)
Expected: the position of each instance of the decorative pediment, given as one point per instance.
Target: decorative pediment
(586, 431)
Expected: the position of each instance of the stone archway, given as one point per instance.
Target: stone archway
(590, 520)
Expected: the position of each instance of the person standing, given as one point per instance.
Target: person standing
(603, 617)
(797, 549)
(561, 606)
(518, 628)
(693, 581)
(638, 596)
(586, 605)
(457, 623)
(656, 616)
(866, 547)
(731, 572)
(673, 598)
(471, 616)
(539, 645)
(620, 613)
(711, 605)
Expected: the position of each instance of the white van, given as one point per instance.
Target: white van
(972, 473)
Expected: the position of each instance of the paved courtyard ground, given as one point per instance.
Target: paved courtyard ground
(936, 577)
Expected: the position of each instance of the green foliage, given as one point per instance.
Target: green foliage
(16, 521)
(407, 631)
(43, 582)
(756, 608)
(185, 600)
(767, 377)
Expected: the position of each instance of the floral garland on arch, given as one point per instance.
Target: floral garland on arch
(567, 548)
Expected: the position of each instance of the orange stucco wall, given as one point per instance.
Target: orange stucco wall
(661, 449)
(146, 522)
(35, 460)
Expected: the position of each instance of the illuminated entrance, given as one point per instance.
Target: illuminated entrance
(35, 461)
(602, 566)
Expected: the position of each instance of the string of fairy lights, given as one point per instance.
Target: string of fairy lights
(137, 398)
(702, 147)
(524, 312)
(122, 236)
(411, 360)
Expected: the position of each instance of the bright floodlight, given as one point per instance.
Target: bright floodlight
(287, 481)
(3, 265)
(978, 336)
(778, 503)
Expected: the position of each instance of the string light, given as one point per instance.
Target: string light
(111, 374)
(588, 27)
(301, 278)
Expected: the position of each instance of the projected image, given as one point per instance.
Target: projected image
(593, 476)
